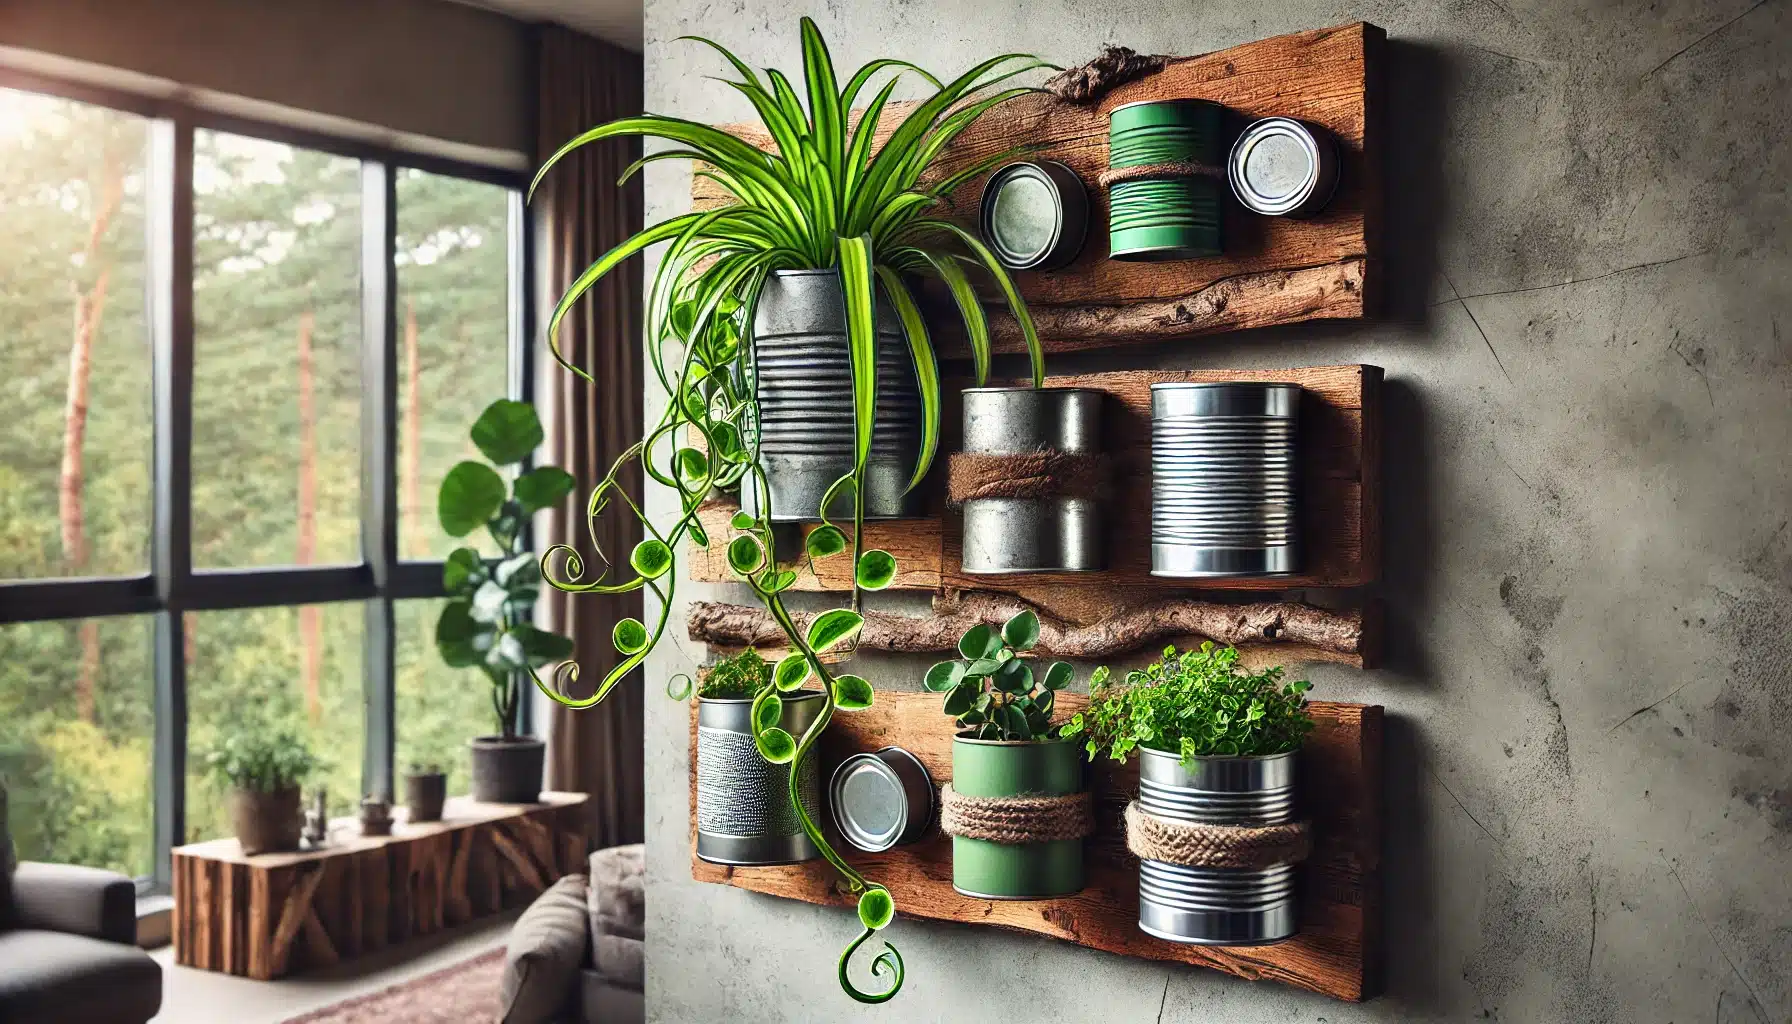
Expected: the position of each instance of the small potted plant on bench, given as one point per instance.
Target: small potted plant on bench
(263, 766)
(1017, 807)
(1215, 826)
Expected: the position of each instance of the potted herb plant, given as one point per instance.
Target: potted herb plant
(744, 813)
(1017, 807)
(826, 226)
(425, 792)
(263, 766)
(485, 624)
(1217, 747)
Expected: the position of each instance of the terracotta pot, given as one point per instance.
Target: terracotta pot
(424, 794)
(266, 822)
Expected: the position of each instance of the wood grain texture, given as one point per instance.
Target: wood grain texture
(1274, 269)
(1338, 950)
(1340, 452)
(270, 915)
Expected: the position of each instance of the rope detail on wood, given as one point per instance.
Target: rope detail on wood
(1178, 169)
(1041, 474)
(1114, 67)
(1215, 846)
(1011, 820)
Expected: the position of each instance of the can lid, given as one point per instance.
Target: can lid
(1035, 215)
(870, 803)
(1283, 167)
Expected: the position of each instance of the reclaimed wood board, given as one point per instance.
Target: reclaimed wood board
(1340, 450)
(272, 914)
(1275, 270)
(1337, 953)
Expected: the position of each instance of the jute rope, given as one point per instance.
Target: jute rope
(1178, 169)
(1040, 474)
(1215, 846)
(1114, 67)
(1011, 820)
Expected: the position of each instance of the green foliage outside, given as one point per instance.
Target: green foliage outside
(993, 694)
(1195, 704)
(277, 255)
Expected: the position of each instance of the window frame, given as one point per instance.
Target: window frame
(172, 588)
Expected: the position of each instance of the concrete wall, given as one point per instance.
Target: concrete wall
(1589, 567)
(441, 70)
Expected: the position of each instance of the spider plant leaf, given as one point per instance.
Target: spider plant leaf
(825, 114)
(859, 155)
(605, 263)
(861, 338)
(1016, 304)
(864, 74)
(927, 368)
(970, 309)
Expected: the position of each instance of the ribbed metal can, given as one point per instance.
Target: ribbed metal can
(1224, 479)
(1004, 535)
(1218, 906)
(743, 801)
(802, 368)
(1165, 218)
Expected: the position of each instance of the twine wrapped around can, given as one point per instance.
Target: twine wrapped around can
(1171, 208)
(1013, 820)
(1197, 844)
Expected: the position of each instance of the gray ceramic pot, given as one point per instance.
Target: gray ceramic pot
(1217, 906)
(743, 801)
(507, 771)
(803, 374)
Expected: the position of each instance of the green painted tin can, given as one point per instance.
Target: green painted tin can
(1170, 218)
(1023, 871)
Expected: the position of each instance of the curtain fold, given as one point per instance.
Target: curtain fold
(581, 214)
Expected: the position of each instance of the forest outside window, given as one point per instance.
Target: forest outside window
(237, 361)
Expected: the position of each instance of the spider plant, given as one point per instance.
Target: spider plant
(827, 196)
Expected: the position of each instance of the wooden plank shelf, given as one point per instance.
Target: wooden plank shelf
(1340, 446)
(1275, 270)
(1338, 950)
(271, 914)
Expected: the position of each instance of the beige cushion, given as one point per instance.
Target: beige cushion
(620, 959)
(546, 950)
(617, 901)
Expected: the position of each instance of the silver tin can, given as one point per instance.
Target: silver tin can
(802, 369)
(1282, 167)
(1218, 906)
(882, 800)
(1224, 479)
(744, 815)
(1030, 535)
(1035, 215)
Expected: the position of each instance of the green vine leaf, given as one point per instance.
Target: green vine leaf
(462, 569)
(833, 626)
(693, 466)
(629, 635)
(944, 676)
(745, 556)
(876, 569)
(507, 431)
(775, 745)
(542, 487)
(876, 908)
(743, 521)
(1022, 631)
(793, 671)
(651, 558)
(768, 712)
(470, 496)
(783, 581)
(680, 686)
(824, 541)
(852, 693)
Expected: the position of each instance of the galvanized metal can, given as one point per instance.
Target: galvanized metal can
(1217, 906)
(1025, 535)
(1224, 479)
(1035, 215)
(1282, 167)
(882, 799)
(743, 801)
(802, 368)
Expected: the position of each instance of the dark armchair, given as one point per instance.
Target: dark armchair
(68, 949)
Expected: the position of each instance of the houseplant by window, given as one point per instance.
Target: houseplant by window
(1017, 808)
(1217, 747)
(485, 624)
(825, 199)
(263, 765)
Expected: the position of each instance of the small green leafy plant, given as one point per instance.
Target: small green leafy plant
(262, 758)
(740, 676)
(485, 624)
(1194, 704)
(993, 693)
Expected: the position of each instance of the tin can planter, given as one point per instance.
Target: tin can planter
(1174, 211)
(803, 386)
(1008, 768)
(1224, 479)
(1060, 532)
(1218, 906)
(744, 815)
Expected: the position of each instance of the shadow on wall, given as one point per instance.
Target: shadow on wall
(1408, 900)
(1414, 125)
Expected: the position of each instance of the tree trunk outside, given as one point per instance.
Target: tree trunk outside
(310, 616)
(411, 538)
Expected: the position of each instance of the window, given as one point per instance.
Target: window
(74, 349)
(214, 505)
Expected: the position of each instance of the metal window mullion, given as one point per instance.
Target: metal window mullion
(169, 207)
(379, 479)
(521, 384)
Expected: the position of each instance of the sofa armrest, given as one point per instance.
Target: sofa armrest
(75, 900)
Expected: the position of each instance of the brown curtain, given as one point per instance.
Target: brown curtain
(585, 82)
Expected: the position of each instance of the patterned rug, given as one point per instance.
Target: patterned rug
(462, 994)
